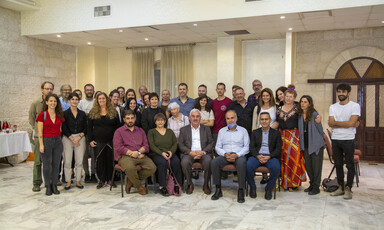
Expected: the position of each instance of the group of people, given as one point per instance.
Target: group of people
(266, 129)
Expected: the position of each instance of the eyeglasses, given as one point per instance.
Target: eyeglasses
(264, 119)
(48, 88)
(258, 85)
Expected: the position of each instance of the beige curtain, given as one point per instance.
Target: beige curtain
(176, 67)
(143, 68)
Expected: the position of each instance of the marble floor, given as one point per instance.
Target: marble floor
(20, 208)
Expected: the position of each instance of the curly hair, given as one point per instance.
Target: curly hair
(198, 106)
(310, 110)
(58, 109)
(95, 111)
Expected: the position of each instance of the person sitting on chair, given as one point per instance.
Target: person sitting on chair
(232, 145)
(265, 150)
(130, 144)
(196, 143)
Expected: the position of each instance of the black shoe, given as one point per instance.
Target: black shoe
(48, 190)
(240, 195)
(87, 178)
(263, 181)
(93, 178)
(217, 194)
(54, 190)
(196, 176)
(268, 194)
(224, 175)
(308, 189)
(314, 191)
(164, 192)
(100, 185)
(36, 188)
(252, 193)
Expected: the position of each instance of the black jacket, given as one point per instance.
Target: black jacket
(274, 143)
(244, 115)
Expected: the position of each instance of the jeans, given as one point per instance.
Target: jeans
(273, 166)
(53, 149)
(344, 149)
(37, 179)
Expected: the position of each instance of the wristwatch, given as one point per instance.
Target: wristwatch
(138, 151)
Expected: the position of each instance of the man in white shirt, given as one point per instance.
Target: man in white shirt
(87, 103)
(343, 119)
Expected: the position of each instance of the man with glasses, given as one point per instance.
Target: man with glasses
(257, 86)
(65, 90)
(35, 109)
(244, 110)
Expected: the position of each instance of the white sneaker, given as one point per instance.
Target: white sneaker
(338, 192)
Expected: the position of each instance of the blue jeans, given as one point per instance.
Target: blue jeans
(273, 166)
(53, 150)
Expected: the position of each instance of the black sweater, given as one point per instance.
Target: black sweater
(147, 121)
(74, 125)
(102, 129)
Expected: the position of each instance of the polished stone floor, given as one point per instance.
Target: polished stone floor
(20, 208)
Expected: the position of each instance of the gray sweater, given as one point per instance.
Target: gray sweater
(315, 134)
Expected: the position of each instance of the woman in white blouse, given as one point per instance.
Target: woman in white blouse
(207, 116)
(177, 120)
(266, 104)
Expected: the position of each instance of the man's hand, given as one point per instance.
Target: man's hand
(141, 156)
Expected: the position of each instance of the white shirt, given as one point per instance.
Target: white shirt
(196, 146)
(205, 116)
(85, 105)
(344, 113)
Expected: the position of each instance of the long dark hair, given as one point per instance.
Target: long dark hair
(128, 91)
(282, 89)
(129, 101)
(311, 109)
(198, 106)
(58, 109)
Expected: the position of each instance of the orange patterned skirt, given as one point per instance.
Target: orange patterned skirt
(292, 160)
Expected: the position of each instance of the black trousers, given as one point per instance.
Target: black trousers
(314, 166)
(104, 161)
(344, 149)
(162, 166)
(220, 161)
(53, 150)
(186, 165)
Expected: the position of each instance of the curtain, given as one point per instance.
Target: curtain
(143, 68)
(176, 67)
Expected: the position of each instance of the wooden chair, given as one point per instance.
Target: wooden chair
(119, 170)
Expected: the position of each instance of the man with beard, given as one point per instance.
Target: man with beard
(202, 90)
(244, 110)
(114, 95)
(186, 103)
(257, 86)
(86, 106)
(142, 91)
(121, 91)
(130, 145)
(65, 90)
(343, 119)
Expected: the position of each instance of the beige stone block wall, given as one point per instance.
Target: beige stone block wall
(24, 64)
(320, 54)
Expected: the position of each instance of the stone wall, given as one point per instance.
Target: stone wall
(24, 64)
(320, 54)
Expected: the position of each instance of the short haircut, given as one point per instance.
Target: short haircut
(202, 85)
(159, 116)
(173, 105)
(256, 80)
(194, 110)
(62, 86)
(343, 87)
(128, 112)
(89, 84)
(77, 90)
(291, 91)
(182, 84)
(73, 94)
(120, 87)
(162, 91)
(47, 82)
(265, 113)
(220, 83)
(235, 86)
(232, 111)
(113, 92)
(153, 95)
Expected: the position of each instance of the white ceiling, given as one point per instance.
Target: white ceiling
(261, 27)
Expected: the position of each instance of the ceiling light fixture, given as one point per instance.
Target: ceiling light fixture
(146, 39)
(382, 21)
(120, 31)
(282, 17)
(59, 36)
(195, 24)
(89, 43)
(290, 28)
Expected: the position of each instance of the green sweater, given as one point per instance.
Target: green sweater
(159, 143)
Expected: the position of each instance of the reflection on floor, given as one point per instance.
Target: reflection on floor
(103, 209)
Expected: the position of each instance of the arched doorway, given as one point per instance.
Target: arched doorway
(366, 76)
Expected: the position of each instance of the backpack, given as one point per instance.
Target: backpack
(173, 187)
(330, 185)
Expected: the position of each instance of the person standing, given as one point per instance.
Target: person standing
(219, 107)
(51, 147)
(311, 142)
(207, 116)
(35, 109)
(186, 103)
(147, 119)
(74, 130)
(142, 91)
(121, 97)
(257, 86)
(266, 104)
(343, 119)
(201, 91)
(115, 96)
(65, 90)
(243, 109)
(165, 99)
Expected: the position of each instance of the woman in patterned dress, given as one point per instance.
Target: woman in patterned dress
(292, 160)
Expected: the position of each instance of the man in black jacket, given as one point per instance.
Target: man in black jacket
(244, 110)
(265, 150)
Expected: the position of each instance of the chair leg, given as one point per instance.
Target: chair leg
(357, 174)
(154, 181)
(113, 179)
(122, 176)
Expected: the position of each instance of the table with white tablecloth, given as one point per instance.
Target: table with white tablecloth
(14, 143)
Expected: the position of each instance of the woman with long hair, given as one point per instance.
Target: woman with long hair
(74, 130)
(206, 112)
(147, 121)
(51, 147)
(292, 160)
(102, 123)
(266, 104)
(132, 105)
(311, 142)
(131, 93)
(280, 95)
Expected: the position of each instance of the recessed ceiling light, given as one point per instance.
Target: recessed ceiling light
(382, 21)
(146, 39)
(195, 24)
(120, 31)
(59, 36)
(282, 17)
(89, 43)
(290, 28)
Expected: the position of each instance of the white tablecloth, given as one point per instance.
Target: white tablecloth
(14, 143)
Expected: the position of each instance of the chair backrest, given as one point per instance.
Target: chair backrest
(328, 146)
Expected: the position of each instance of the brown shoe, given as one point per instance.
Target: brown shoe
(128, 186)
(206, 189)
(190, 188)
(142, 190)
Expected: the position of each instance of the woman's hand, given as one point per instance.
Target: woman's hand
(42, 149)
(93, 143)
(275, 125)
(318, 119)
(165, 155)
(169, 154)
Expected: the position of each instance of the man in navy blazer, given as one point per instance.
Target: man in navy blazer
(195, 144)
(265, 150)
